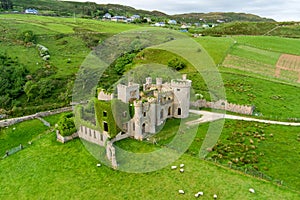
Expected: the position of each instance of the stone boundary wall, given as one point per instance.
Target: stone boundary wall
(44, 122)
(119, 137)
(9, 122)
(65, 139)
(224, 105)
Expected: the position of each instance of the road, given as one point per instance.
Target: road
(207, 116)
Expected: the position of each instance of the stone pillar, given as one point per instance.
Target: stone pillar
(111, 154)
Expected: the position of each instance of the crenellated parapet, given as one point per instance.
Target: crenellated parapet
(105, 96)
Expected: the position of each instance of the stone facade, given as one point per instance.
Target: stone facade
(152, 107)
(92, 135)
(156, 103)
(224, 105)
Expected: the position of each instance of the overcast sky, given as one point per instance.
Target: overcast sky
(280, 10)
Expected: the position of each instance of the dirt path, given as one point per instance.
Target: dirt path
(211, 116)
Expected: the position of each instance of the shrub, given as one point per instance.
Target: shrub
(66, 125)
(176, 64)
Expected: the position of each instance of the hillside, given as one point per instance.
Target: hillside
(67, 41)
(283, 29)
(90, 9)
(226, 17)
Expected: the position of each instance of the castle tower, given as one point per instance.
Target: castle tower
(148, 84)
(159, 83)
(138, 121)
(181, 89)
(128, 93)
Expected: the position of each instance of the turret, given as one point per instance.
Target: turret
(181, 89)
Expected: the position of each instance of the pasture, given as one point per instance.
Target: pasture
(51, 169)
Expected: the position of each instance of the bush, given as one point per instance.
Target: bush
(176, 64)
(66, 125)
(28, 36)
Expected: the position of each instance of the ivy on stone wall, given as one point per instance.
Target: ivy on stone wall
(104, 113)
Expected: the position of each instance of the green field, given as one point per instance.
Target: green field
(20, 134)
(68, 40)
(48, 169)
(259, 54)
(276, 153)
(217, 47)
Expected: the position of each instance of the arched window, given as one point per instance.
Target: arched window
(169, 111)
(179, 111)
(161, 114)
(144, 128)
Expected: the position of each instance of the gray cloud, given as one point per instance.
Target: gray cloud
(279, 10)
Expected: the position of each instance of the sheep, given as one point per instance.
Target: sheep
(98, 165)
(181, 170)
(181, 191)
(215, 196)
(181, 165)
(251, 190)
(174, 167)
(199, 194)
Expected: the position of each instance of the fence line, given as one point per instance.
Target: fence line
(23, 146)
(248, 171)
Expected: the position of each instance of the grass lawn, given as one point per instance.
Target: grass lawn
(216, 47)
(20, 133)
(259, 54)
(49, 169)
(271, 43)
(278, 154)
(273, 100)
(53, 119)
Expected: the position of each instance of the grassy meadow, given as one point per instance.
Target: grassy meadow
(68, 41)
(48, 169)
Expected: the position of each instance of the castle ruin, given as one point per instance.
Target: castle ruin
(152, 104)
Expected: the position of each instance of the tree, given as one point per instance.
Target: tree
(12, 80)
(176, 64)
(30, 89)
(6, 4)
(122, 61)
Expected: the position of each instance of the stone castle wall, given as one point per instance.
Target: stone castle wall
(224, 105)
(92, 135)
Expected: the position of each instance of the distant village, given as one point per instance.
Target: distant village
(170, 22)
(182, 26)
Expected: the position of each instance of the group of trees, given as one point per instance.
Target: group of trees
(12, 80)
(6, 5)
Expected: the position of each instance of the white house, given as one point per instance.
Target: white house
(160, 24)
(31, 11)
(119, 19)
(134, 17)
(172, 22)
(107, 16)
